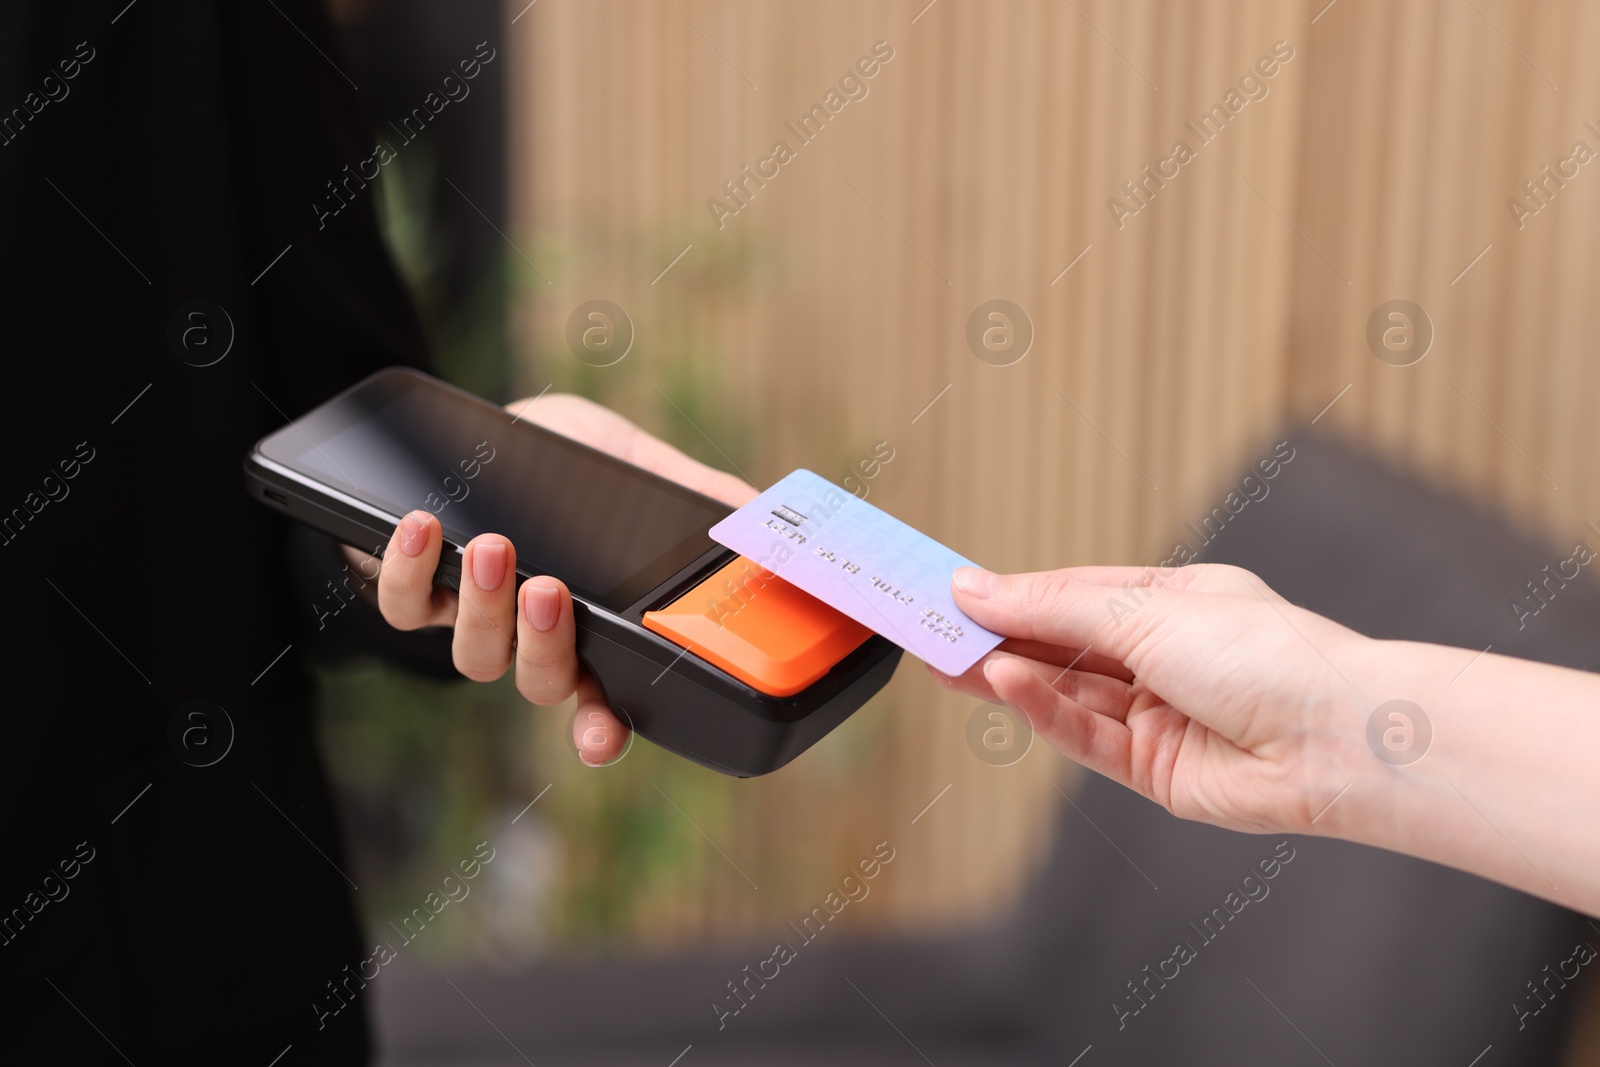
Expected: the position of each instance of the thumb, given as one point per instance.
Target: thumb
(1060, 608)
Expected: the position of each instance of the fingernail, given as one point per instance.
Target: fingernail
(489, 565)
(584, 756)
(975, 582)
(413, 535)
(541, 604)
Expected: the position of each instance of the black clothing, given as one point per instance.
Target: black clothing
(152, 155)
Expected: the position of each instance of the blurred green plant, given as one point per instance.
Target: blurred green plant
(633, 856)
(469, 338)
(423, 766)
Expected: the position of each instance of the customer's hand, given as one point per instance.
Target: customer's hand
(1206, 691)
(495, 623)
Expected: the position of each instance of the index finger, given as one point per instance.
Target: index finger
(1089, 660)
(1057, 608)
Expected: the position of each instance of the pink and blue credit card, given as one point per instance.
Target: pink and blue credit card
(862, 561)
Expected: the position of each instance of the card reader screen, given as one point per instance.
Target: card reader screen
(609, 530)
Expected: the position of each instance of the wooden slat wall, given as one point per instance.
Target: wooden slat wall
(1425, 120)
(991, 143)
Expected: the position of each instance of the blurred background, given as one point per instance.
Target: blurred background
(1180, 326)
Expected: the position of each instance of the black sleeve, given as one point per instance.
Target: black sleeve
(155, 155)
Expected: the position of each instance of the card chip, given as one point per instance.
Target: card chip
(789, 515)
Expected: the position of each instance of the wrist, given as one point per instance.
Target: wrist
(1373, 743)
(1493, 777)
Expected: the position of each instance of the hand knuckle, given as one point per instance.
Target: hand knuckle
(398, 584)
(1210, 577)
(480, 654)
(479, 670)
(530, 687)
(536, 670)
(395, 613)
(1043, 593)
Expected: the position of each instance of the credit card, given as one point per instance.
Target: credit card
(859, 559)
